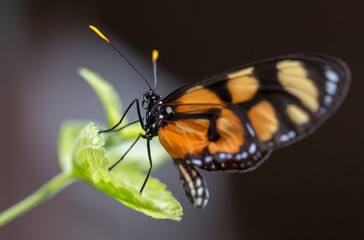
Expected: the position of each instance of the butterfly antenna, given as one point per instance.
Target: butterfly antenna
(107, 40)
(155, 55)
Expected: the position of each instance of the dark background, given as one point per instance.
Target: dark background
(310, 190)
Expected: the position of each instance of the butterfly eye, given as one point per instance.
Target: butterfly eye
(145, 103)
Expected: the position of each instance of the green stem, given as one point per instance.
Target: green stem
(48, 190)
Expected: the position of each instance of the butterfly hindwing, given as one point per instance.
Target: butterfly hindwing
(193, 183)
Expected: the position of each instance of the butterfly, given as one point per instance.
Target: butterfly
(233, 121)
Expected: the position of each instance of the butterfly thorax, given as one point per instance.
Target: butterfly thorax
(154, 115)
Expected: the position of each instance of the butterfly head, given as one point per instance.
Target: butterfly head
(150, 98)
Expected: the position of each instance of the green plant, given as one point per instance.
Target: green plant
(86, 155)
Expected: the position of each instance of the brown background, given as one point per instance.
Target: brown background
(310, 190)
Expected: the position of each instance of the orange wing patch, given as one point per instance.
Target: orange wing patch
(198, 99)
(231, 133)
(185, 136)
(189, 136)
(263, 119)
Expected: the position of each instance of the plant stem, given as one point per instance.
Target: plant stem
(48, 190)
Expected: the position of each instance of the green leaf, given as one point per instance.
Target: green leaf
(107, 94)
(66, 141)
(122, 183)
(112, 106)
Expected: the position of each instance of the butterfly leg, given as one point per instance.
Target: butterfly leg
(122, 118)
(125, 126)
(150, 168)
(122, 157)
(149, 156)
(193, 183)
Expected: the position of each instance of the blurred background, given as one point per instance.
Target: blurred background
(310, 190)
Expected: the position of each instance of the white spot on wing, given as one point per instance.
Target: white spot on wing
(252, 148)
(284, 138)
(168, 110)
(331, 75)
(205, 203)
(198, 182)
(327, 100)
(291, 134)
(331, 88)
(200, 191)
(197, 162)
(198, 202)
(251, 131)
(208, 159)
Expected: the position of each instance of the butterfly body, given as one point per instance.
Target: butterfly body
(153, 119)
(234, 120)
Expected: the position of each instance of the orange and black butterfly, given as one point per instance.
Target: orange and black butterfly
(234, 120)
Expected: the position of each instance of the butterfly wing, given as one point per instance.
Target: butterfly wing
(233, 121)
(193, 183)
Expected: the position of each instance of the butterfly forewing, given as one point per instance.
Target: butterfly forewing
(240, 116)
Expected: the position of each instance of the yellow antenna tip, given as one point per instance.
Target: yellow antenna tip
(99, 33)
(155, 55)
